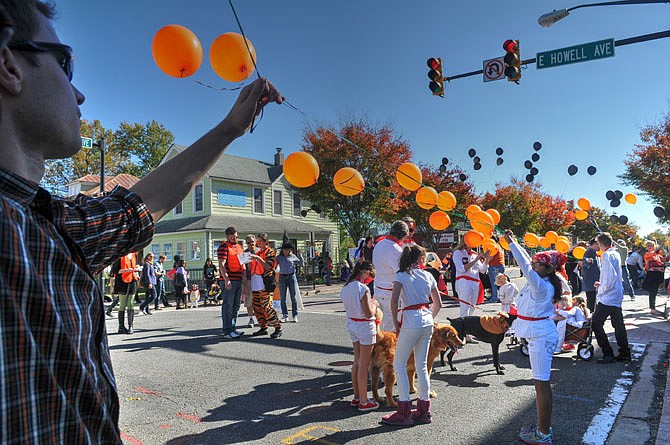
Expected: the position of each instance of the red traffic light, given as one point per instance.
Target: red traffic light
(509, 46)
(433, 63)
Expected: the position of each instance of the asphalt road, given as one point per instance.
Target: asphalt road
(181, 383)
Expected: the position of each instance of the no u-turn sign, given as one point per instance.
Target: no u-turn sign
(494, 69)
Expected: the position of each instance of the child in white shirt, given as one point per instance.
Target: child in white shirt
(194, 297)
(573, 315)
(507, 292)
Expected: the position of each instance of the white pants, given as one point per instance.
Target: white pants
(416, 340)
(541, 352)
(384, 298)
(467, 291)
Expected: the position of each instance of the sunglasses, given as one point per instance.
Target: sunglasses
(63, 53)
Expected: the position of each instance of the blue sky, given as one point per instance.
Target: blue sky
(348, 58)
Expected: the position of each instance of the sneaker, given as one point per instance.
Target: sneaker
(568, 347)
(237, 334)
(606, 360)
(261, 331)
(295, 319)
(623, 358)
(533, 436)
(277, 333)
(355, 403)
(371, 405)
(284, 319)
(251, 322)
(228, 337)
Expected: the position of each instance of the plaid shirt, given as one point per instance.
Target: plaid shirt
(56, 379)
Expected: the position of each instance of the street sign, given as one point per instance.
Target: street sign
(576, 54)
(494, 69)
(86, 142)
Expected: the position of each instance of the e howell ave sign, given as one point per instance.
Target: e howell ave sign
(576, 54)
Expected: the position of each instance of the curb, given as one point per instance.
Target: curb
(663, 436)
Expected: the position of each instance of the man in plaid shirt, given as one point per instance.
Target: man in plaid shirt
(56, 378)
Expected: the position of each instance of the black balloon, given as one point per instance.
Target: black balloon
(462, 177)
(338, 207)
(499, 161)
(476, 159)
(591, 170)
(659, 211)
(535, 157)
(443, 168)
(534, 171)
(477, 166)
(316, 208)
(615, 203)
(618, 194)
(392, 195)
(537, 146)
(375, 185)
(445, 161)
(530, 178)
(614, 219)
(572, 170)
(472, 152)
(609, 195)
(303, 212)
(499, 151)
(387, 183)
(623, 219)
(528, 164)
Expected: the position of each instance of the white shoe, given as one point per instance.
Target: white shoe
(251, 322)
(284, 319)
(295, 319)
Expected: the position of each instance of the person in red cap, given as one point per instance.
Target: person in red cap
(535, 309)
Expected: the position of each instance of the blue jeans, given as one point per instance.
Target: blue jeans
(493, 272)
(626, 282)
(287, 282)
(149, 297)
(230, 305)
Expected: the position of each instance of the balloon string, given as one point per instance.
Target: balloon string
(240, 86)
(246, 43)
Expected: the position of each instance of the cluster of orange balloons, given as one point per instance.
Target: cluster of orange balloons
(483, 222)
(178, 53)
(560, 242)
(583, 212)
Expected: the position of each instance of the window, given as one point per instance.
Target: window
(297, 204)
(181, 249)
(258, 201)
(156, 249)
(195, 250)
(167, 251)
(277, 203)
(179, 209)
(198, 193)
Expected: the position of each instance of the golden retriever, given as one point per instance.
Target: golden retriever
(444, 338)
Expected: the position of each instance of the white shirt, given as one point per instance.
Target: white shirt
(508, 293)
(574, 316)
(351, 295)
(635, 259)
(610, 291)
(386, 258)
(534, 301)
(417, 285)
(461, 258)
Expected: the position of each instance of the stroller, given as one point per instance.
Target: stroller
(213, 296)
(582, 337)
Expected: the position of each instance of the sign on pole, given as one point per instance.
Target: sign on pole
(494, 69)
(86, 142)
(575, 54)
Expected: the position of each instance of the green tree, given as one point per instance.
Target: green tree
(142, 146)
(648, 166)
(376, 157)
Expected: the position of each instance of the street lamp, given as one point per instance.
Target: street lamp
(550, 18)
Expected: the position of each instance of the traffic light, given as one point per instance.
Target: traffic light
(512, 60)
(436, 84)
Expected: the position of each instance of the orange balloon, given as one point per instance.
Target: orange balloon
(473, 239)
(584, 204)
(176, 51)
(490, 246)
(472, 208)
(630, 198)
(446, 201)
(348, 181)
(426, 197)
(439, 220)
(581, 215)
(482, 222)
(301, 169)
(563, 237)
(230, 58)
(551, 236)
(544, 242)
(578, 252)
(562, 245)
(495, 215)
(531, 240)
(503, 243)
(409, 176)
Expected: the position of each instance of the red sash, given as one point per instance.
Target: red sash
(365, 320)
(480, 295)
(413, 307)
(523, 317)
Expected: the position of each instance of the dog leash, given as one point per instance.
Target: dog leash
(461, 301)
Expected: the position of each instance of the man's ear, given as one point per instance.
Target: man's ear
(11, 74)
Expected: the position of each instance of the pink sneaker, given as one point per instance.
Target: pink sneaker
(355, 402)
(370, 406)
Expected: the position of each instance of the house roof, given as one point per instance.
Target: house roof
(91, 179)
(236, 168)
(124, 180)
(244, 224)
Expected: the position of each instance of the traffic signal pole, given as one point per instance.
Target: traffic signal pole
(622, 42)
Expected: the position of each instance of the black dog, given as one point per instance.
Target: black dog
(472, 326)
